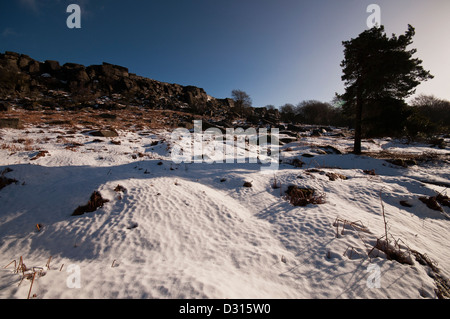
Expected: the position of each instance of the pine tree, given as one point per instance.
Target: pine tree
(377, 68)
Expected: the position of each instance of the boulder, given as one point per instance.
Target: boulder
(105, 133)
(51, 66)
(24, 61)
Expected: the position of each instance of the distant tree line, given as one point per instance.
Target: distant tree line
(424, 116)
(315, 113)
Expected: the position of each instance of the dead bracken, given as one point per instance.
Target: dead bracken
(298, 196)
(96, 201)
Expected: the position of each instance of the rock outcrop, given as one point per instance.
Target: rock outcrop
(109, 86)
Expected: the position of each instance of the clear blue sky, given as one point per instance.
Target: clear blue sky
(278, 51)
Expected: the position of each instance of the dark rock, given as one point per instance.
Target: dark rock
(330, 149)
(51, 66)
(370, 172)
(402, 162)
(405, 203)
(108, 116)
(431, 202)
(10, 123)
(39, 155)
(5, 107)
(334, 176)
(296, 162)
(24, 61)
(438, 142)
(287, 140)
(21, 76)
(105, 133)
(4, 181)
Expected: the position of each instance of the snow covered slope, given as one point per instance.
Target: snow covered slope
(193, 230)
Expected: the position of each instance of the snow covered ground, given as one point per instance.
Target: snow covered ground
(193, 231)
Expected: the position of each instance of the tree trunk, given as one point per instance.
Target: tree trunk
(358, 122)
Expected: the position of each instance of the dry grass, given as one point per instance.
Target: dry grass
(28, 273)
(303, 196)
(404, 159)
(128, 118)
(13, 148)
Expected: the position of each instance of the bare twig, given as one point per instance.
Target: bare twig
(48, 262)
(15, 265)
(31, 286)
(384, 219)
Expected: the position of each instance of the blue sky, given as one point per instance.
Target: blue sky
(278, 51)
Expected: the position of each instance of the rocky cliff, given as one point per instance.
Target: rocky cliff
(73, 85)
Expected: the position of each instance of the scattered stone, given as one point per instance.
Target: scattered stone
(4, 181)
(105, 133)
(4, 107)
(369, 172)
(298, 196)
(402, 162)
(39, 154)
(438, 142)
(132, 226)
(330, 149)
(13, 123)
(335, 176)
(443, 200)
(296, 162)
(316, 133)
(405, 203)
(431, 202)
(120, 188)
(108, 116)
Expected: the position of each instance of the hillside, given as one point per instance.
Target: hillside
(34, 85)
(194, 231)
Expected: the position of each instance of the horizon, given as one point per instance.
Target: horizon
(278, 52)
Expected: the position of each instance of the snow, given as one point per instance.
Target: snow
(192, 230)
